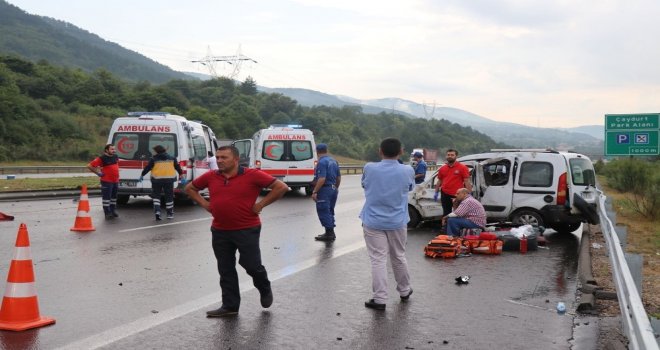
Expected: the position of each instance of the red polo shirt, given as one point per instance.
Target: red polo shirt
(232, 199)
(453, 177)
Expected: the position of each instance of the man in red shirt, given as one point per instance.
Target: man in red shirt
(451, 176)
(233, 191)
(106, 167)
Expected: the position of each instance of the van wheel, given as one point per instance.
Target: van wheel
(122, 199)
(415, 218)
(527, 217)
(566, 228)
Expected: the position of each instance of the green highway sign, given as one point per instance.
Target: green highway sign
(632, 134)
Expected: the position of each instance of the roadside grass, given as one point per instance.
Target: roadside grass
(38, 163)
(643, 239)
(40, 184)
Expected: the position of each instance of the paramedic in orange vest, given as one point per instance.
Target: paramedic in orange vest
(106, 167)
(451, 176)
(163, 169)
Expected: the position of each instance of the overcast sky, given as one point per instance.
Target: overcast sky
(540, 63)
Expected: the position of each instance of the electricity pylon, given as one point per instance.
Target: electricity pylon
(235, 61)
(428, 114)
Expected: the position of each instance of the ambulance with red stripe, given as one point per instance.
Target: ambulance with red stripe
(287, 152)
(135, 136)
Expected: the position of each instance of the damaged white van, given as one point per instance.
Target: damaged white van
(527, 186)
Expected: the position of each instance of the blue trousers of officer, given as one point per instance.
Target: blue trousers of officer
(326, 199)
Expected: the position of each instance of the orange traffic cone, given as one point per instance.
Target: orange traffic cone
(83, 221)
(20, 308)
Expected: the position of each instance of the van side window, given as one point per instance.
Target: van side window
(199, 145)
(536, 174)
(582, 172)
(497, 174)
(273, 150)
(301, 150)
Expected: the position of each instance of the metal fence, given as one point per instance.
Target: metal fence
(635, 321)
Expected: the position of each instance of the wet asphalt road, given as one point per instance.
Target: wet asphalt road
(138, 284)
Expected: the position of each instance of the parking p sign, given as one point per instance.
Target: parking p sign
(632, 134)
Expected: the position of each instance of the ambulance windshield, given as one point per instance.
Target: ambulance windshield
(139, 146)
(287, 150)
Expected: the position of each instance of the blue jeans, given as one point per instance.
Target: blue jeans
(326, 199)
(454, 225)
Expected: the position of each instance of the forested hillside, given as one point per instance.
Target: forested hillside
(63, 44)
(57, 113)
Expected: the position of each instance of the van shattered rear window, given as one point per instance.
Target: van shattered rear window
(139, 146)
(582, 172)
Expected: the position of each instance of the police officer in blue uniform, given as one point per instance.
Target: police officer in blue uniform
(326, 179)
(420, 168)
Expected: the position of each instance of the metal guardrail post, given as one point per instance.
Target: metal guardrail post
(635, 321)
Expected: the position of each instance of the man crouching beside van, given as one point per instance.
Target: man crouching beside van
(106, 166)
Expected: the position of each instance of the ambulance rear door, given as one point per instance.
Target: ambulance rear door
(245, 152)
(289, 157)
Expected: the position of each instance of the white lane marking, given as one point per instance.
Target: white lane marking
(126, 330)
(161, 225)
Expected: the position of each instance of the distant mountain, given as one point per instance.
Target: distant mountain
(580, 139)
(307, 97)
(61, 43)
(597, 131)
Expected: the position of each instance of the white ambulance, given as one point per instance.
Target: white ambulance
(287, 152)
(135, 136)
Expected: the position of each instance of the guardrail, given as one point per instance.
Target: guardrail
(636, 324)
(357, 169)
(54, 169)
(50, 169)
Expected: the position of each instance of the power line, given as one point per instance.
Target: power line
(235, 61)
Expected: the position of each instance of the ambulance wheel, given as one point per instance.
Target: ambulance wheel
(415, 218)
(308, 190)
(527, 217)
(122, 199)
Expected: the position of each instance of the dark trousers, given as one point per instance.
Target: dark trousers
(109, 194)
(167, 188)
(246, 241)
(446, 202)
(326, 199)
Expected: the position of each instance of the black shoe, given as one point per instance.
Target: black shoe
(324, 237)
(158, 217)
(374, 305)
(221, 312)
(109, 217)
(267, 299)
(406, 297)
(114, 213)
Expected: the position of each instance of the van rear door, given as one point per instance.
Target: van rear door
(537, 181)
(582, 179)
(494, 184)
